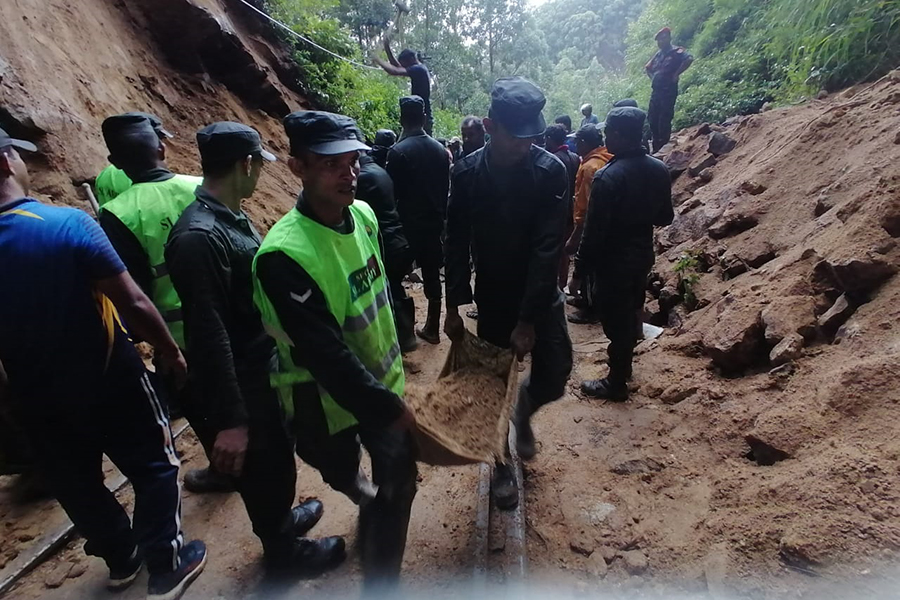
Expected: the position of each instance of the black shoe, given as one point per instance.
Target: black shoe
(583, 317)
(576, 301)
(207, 481)
(503, 488)
(172, 584)
(405, 319)
(122, 576)
(472, 314)
(306, 515)
(603, 389)
(312, 557)
(431, 331)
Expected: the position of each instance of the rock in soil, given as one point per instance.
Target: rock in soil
(732, 223)
(635, 562)
(839, 312)
(735, 341)
(641, 465)
(703, 163)
(788, 349)
(597, 565)
(676, 393)
(752, 187)
(58, 575)
(720, 144)
(789, 314)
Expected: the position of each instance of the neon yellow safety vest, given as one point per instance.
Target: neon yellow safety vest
(111, 182)
(348, 270)
(150, 211)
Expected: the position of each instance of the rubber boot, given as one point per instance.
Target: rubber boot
(503, 487)
(405, 319)
(431, 332)
(525, 445)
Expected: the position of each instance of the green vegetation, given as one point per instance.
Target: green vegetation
(688, 277)
(747, 52)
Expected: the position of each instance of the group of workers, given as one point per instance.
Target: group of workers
(292, 343)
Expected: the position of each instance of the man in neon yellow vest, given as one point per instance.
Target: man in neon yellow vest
(320, 286)
(138, 223)
(112, 180)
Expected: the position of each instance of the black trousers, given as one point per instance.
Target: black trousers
(383, 524)
(268, 481)
(426, 246)
(620, 296)
(551, 358)
(660, 115)
(123, 417)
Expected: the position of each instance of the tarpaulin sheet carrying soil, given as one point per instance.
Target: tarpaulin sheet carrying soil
(463, 417)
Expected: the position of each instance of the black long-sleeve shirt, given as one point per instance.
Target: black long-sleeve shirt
(420, 168)
(516, 217)
(210, 258)
(376, 188)
(318, 339)
(629, 196)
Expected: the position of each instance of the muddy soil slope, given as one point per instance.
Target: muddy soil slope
(760, 452)
(65, 66)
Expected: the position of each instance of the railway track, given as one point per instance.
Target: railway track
(500, 549)
(47, 545)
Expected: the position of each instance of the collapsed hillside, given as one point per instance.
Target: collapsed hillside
(759, 453)
(65, 66)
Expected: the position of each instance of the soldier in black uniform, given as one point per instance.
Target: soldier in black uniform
(664, 69)
(629, 196)
(236, 413)
(511, 199)
(376, 188)
(384, 140)
(555, 136)
(420, 168)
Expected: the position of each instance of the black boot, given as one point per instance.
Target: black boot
(208, 481)
(431, 332)
(405, 319)
(503, 487)
(524, 434)
(605, 390)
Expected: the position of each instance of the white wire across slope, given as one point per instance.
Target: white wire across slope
(307, 40)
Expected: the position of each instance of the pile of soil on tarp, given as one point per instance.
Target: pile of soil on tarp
(463, 417)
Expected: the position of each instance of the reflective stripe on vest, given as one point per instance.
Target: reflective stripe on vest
(150, 211)
(348, 270)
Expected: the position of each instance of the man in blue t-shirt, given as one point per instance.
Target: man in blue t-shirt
(75, 382)
(408, 65)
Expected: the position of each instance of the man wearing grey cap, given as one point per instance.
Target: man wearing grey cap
(511, 200)
(629, 196)
(420, 168)
(321, 287)
(234, 411)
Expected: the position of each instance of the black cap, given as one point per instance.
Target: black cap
(412, 106)
(385, 138)
(130, 125)
(226, 141)
(322, 133)
(590, 133)
(516, 103)
(626, 102)
(6, 141)
(155, 121)
(626, 120)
